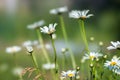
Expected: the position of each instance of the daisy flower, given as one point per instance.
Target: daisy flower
(59, 10)
(36, 24)
(80, 14)
(69, 73)
(49, 29)
(113, 64)
(29, 49)
(13, 49)
(115, 45)
(92, 56)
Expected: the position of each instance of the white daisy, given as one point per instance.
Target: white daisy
(59, 10)
(36, 24)
(79, 14)
(49, 29)
(13, 49)
(92, 56)
(71, 73)
(29, 49)
(48, 66)
(113, 64)
(115, 45)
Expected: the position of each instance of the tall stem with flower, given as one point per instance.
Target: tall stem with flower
(81, 15)
(50, 30)
(59, 12)
(36, 27)
(30, 51)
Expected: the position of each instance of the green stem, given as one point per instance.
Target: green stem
(66, 40)
(55, 59)
(83, 34)
(70, 78)
(43, 47)
(35, 63)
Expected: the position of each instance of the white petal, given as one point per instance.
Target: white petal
(111, 47)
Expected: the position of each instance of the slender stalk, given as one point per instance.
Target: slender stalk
(83, 33)
(55, 59)
(66, 41)
(35, 64)
(43, 47)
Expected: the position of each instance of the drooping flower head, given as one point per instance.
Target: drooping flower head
(29, 49)
(59, 10)
(92, 56)
(13, 49)
(49, 29)
(113, 64)
(36, 24)
(80, 14)
(115, 45)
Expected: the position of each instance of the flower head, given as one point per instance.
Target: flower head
(79, 14)
(13, 49)
(113, 64)
(50, 29)
(69, 73)
(29, 49)
(92, 56)
(36, 24)
(59, 10)
(115, 45)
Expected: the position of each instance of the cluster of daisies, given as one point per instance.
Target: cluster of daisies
(113, 65)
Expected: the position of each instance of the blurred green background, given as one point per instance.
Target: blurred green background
(15, 15)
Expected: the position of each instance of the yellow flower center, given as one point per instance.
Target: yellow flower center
(92, 57)
(113, 63)
(70, 75)
(83, 17)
